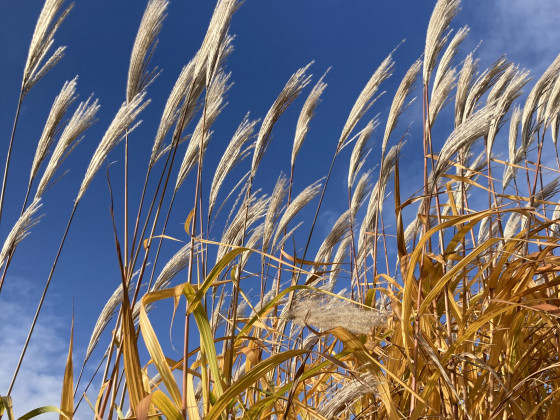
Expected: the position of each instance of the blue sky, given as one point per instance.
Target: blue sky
(273, 39)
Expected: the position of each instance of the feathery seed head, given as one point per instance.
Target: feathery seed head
(436, 37)
(123, 121)
(365, 100)
(398, 104)
(20, 230)
(306, 115)
(41, 42)
(59, 107)
(297, 82)
(144, 44)
(82, 119)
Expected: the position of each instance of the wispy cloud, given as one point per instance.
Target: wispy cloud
(40, 379)
(526, 31)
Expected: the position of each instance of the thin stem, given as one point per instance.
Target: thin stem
(9, 154)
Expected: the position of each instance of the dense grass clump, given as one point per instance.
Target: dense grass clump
(444, 304)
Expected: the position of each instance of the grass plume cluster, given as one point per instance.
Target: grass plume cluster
(443, 304)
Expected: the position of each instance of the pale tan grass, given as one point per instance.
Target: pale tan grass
(330, 312)
(365, 100)
(360, 193)
(483, 84)
(360, 151)
(350, 390)
(464, 85)
(82, 119)
(293, 88)
(54, 122)
(537, 96)
(123, 121)
(174, 266)
(342, 253)
(515, 154)
(37, 65)
(144, 45)
(436, 37)
(251, 211)
(273, 212)
(463, 136)
(232, 156)
(20, 230)
(450, 53)
(215, 36)
(303, 198)
(339, 232)
(398, 104)
(504, 99)
(441, 95)
(171, 109)
(305, 116)
(215, 103)
(377, 197)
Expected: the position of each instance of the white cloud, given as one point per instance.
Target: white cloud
(526, 31)
(39, 381)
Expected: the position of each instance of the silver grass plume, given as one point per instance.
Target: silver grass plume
(462, 188)
(289, 93)
(252, 210)
(350, 391)
(448, 56)
(542, 88)
(398, 104)
(504, 100)
(164, 150)
(41, 42)
(215, 37)
(552, 110)
(464, 85)
(232, 156)
(59, 107)
(502, 83)
(555, 227)
(548, 191)
(278, 245)
(82, 119)
(360, 151)
(241, 183)
(482, 84)
(252, 243)
(215, 103)
(436, 37)
(514, 154)
(441, 94)
(342, 252)
(171, 109)
(375, 205)
(463, 136)
(20, 230)
(144, 45)
(365, 100)
(339, 232)
(124, 120)
(104, 317)
(512, 225)
(330, 312)
(306, 115)
(484, 230)
(174, 266)
(303, 198)
(360, 193)
(273, 211)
